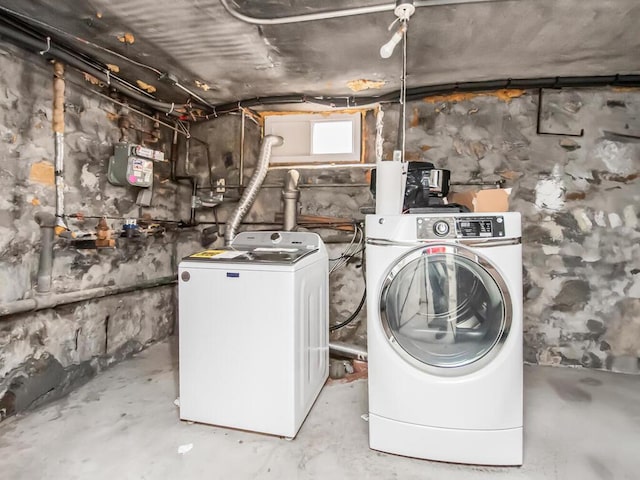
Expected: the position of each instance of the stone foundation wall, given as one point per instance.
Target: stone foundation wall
(578, 197)
(44, 354)
(579, 200)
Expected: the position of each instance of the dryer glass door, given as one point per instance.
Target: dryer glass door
(445, 306)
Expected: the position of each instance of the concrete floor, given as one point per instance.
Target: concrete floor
(579, 424)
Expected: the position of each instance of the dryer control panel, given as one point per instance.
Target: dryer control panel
(433, 228)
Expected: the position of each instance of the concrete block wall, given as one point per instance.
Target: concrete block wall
(579, 198)
(46, 353)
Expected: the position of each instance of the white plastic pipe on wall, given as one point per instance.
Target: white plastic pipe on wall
(290, 196)
(346, 12)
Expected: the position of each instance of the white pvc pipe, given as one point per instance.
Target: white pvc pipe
(347, 12)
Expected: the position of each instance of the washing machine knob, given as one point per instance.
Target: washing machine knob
(276, 237)
(441, 228)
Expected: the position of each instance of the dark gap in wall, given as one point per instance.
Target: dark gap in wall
(106, 334)
(76, 339)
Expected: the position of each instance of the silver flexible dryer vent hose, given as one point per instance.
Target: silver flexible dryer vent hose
(251, 192)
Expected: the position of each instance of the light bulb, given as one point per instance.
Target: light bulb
(387, 49)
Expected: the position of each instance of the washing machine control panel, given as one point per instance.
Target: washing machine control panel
(430, 228)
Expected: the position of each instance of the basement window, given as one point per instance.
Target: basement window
(315, 138)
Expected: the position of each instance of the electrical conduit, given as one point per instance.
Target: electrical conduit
(250, 194)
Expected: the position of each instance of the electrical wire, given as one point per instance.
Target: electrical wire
(182, 131)
(340, 262)
(352, 317)
(357, 240)
(351, 250)
(358, 309)
(350, 256)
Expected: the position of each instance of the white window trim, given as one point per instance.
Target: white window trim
(276, 125)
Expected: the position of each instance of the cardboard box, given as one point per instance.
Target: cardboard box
(490, 200)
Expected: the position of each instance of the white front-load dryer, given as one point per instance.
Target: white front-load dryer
(444, 322)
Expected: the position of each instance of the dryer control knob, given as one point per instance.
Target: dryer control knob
(276, 237)
(441, 228)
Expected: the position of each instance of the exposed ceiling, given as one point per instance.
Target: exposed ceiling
(223, 59)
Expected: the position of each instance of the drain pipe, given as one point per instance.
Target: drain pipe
(47, 223)
(58, 133)
(347, 350)
(290, 196)
(58, 299)
(250, 194)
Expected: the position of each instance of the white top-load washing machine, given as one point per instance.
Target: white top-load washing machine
(444, 323)
(253, 332)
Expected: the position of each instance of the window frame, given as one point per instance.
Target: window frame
(276, 124)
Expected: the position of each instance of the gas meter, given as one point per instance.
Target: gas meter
(132, 165)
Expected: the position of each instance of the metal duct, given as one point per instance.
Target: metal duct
(250, 194)
(290, 196)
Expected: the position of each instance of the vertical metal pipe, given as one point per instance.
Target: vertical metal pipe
(403, 89)
(174, 155)
(58, 133)
(290, 196)
(241, 165)
(47, 223)
(193, 179)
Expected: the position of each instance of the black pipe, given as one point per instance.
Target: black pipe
(193, 180)
(24, 40)
(23, 35)
(194, 195)
(416, 93)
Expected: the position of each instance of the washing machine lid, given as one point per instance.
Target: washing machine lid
(445, 307)
(263, 255)
(273, 248)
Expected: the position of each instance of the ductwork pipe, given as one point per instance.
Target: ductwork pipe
(47, 223)
(290, 196)
(250, 194)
